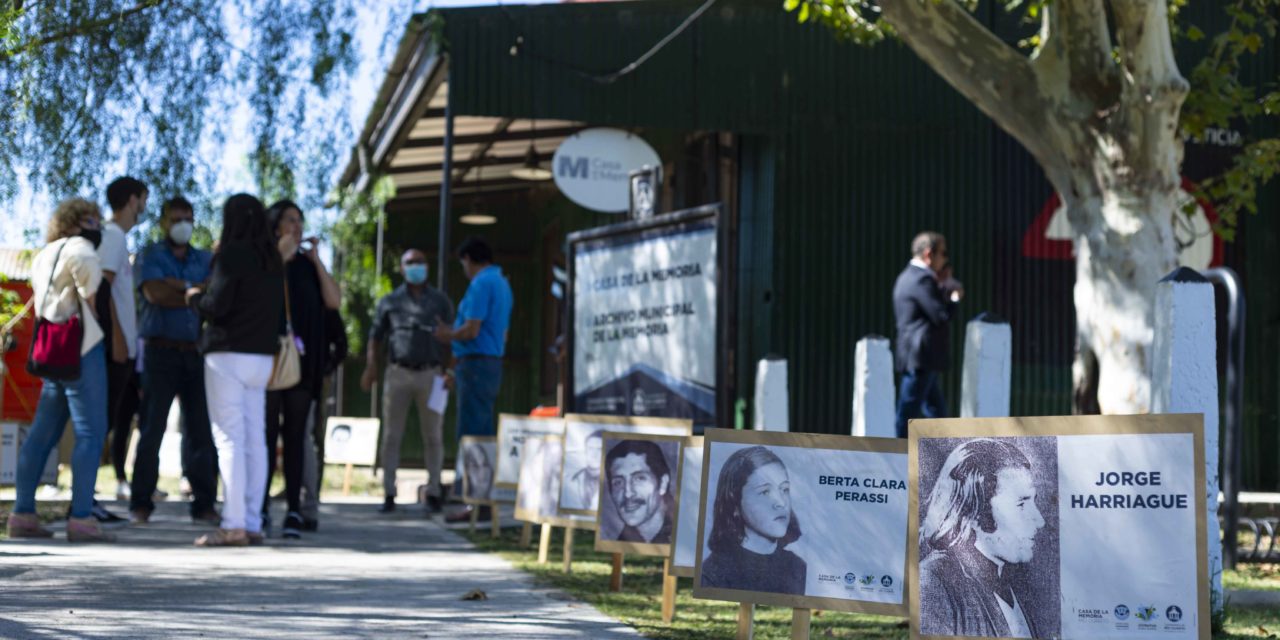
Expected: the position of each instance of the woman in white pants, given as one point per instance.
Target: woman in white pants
(242, 304)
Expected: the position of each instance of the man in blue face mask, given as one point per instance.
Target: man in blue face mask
(404, 322)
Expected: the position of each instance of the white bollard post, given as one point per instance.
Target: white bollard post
(771, 412)
(988, 367)
(1185, 380)
(873, 393)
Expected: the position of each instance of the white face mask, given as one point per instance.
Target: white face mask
(181, 232)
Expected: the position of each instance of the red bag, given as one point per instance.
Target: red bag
(55, 346)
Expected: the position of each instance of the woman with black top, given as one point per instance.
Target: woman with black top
(242, 305)
(752, 525)
(312, 291)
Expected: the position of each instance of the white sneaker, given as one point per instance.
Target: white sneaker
(122, 490)
(159, 496)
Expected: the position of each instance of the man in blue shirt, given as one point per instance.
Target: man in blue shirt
(479, 337)
(172, 366)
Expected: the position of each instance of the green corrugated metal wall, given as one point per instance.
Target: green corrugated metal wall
(846, 152)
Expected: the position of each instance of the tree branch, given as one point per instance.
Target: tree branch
(1075, 52)
(1151, 94)
(997, 79)
(82, 29)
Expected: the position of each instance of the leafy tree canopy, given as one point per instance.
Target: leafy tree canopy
(94, 88)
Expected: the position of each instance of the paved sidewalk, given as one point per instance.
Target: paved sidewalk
(361, 576)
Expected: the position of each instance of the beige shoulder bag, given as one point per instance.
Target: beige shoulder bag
(286, 369)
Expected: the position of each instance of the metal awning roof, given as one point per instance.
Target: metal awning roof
(404, 136)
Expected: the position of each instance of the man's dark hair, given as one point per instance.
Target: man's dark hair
(652, 456)
(122, 189)
(925, 241)
(961, 496)
(176, 203)
(727, 525)
(476, 250)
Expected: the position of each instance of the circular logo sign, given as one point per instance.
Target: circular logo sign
(593, 167)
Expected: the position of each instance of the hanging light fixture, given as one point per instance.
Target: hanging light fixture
(476, 216)
(531, 169)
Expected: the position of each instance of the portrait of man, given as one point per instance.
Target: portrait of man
(584, 484)
(640, 486)
(979, 526)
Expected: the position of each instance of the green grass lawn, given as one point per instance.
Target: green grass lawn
(639, 602)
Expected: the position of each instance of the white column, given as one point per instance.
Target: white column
(771, 412)
(1185, 380)
(873, 392)
(988, 367)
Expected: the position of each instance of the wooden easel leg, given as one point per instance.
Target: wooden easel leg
(475, 518)
(668, 592)
(544, 543)
(346, 480)
(568, 549)
(526, 535)
(615, 578)
(746, 621)
(495, 522)
(800, 624)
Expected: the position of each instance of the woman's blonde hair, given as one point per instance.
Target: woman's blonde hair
(68, 216)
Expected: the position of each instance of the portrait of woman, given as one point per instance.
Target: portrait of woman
(752, 524)
(479, 470)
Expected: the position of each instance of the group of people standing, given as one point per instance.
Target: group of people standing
(206, 328)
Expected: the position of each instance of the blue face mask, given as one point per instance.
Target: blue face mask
(415, 273)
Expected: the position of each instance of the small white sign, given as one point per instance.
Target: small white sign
(351, 440)
(593, 167)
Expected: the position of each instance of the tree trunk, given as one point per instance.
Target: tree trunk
(1127, 247)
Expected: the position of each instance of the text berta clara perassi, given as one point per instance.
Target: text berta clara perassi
(1126, 501)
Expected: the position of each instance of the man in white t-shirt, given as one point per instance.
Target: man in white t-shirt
(128, 199)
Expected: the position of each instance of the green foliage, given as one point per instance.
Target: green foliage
(1219, 98)
(95, 88)
(354, 238)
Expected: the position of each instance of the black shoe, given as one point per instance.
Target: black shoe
(310, 524)
(388, 505)
(434, 505)
(292, 529)
(103, 516)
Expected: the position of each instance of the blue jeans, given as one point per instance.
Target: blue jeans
(84, 401)
(477, 382)
(919, 396)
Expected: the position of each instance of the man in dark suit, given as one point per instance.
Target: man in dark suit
(924, 298)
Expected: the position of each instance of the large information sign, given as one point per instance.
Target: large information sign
(803, 520)
(1084, 527)
(646, 328)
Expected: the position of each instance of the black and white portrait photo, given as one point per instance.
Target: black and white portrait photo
(803, 520)
(752, 525)
(583, 454)
(477, 467)
(988, 538)
(638, 504)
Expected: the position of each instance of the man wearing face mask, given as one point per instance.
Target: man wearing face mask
(172, 366)
(405, 322)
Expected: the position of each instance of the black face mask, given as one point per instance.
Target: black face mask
(92, 235)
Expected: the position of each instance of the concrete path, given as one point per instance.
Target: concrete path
(360, 576)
